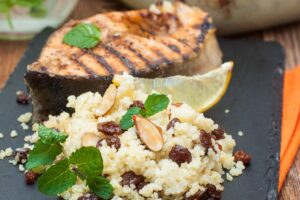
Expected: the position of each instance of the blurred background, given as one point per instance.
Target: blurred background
(269, 20)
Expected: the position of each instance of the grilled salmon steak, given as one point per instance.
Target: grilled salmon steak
(166, 39)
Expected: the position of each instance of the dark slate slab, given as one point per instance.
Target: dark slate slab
(254, 99)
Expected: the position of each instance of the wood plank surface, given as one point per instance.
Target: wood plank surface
(287, 35)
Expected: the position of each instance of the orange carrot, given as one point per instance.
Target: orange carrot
(291, 103)
(290, 135)
(288, 158)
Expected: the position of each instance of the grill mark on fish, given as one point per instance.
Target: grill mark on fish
(153, 66)
(203, 27)
(182, 41)
(100, 59)
(89, 71)
(130, 65)
(164, 58)
(175, 48)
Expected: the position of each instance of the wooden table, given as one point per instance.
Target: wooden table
(288, 36)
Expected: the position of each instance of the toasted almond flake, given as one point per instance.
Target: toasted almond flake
(107, 101)
(148, 132)
(89, 139)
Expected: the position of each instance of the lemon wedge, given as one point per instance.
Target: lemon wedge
(201, 92)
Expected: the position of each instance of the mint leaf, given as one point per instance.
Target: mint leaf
(100, 186)
(88, 160)
(57, 179)
(50, 136)
(155, 103)
(126, 121)
(83, 36)
(43, 154)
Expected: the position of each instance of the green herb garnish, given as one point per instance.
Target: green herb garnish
(126, 121)
(153, 104)
(36, 7)
(57, 179)
(100, 186)
(47, 148)
(83, 36)
(86, 163)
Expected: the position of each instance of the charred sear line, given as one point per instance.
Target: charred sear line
(163, 57)
(122, 58)
(183, 41)
(177, 50)
(174, 48)
(148, 63)
(204, 27)
(89, 71)
(100, 59)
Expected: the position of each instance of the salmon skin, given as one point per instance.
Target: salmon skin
(166, 39)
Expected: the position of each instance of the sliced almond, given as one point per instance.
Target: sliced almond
(89, 139)
(149, 133)
(107, 101)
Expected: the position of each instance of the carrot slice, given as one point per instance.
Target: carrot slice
(289, 156)
(291, 103)
(290, 135)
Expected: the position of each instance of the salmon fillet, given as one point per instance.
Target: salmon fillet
(166, 39)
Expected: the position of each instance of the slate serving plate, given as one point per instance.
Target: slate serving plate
(254, 99)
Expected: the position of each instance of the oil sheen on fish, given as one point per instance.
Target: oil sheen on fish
(166, 39)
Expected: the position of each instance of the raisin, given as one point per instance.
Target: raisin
(113, 141)
(242, 156)
(212, 192)
(205, 139)
(130, 178)
(200, 195)
(180, 155)
(88, 196)
(218, 134)
(21, 155)
(172, 123)
(137, 104)
(30, 177)
(22, 98)
(109, 128)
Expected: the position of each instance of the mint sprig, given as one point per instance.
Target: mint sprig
(85, 163)
(83, 36)
(154, 103)
(100, 186)
(51, 136)
(57, 179)
(88, 161)
(126, 121)
(47, 148)
(43, 154)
